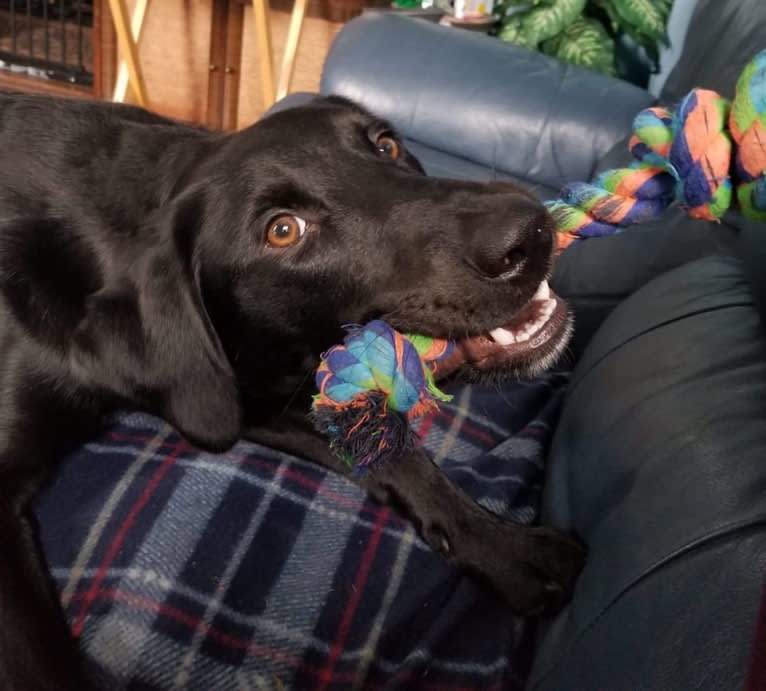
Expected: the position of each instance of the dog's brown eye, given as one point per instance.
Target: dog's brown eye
(388, 146)
(285, 231)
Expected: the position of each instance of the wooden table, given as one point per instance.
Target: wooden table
(128, 29)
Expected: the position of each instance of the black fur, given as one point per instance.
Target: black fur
(134, 272)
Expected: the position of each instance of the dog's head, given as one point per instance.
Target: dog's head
(316, 218)
(322, 218)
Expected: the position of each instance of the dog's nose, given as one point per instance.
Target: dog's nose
(505, 241)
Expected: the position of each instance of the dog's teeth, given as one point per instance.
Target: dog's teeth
(502, 336)
(505, 337)
(523, 335)
(543, 291)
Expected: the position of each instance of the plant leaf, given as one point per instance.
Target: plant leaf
(611, 13)
(545, 21)
(551, 45)
(512, 31)
(585, 42)
(647, 17)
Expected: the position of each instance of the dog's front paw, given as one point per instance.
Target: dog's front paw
(542, 571)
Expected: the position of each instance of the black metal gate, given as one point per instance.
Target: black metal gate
(48, 39)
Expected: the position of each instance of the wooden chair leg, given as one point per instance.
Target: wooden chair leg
(128, 49)
(265, 54)
(136, 25)
(291, 48)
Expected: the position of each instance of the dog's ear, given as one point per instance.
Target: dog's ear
(149, 339)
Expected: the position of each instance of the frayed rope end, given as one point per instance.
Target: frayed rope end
(367, 432)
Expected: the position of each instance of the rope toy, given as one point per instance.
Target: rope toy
(747, 124)
(371, 387)
(686, 157)
(379, 380)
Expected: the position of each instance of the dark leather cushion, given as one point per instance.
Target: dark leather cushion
(751, 247)
(722, 38)
(435, 162)
(658, 463)
(446, 165)
(504, 107)
(596, 275)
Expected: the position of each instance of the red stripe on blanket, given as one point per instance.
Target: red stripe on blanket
(327, 675)
(756, 679)
(111, 553)
(425, 426)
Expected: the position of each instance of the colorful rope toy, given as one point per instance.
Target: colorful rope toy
(685, 157)
(371, 387)
(379, 380)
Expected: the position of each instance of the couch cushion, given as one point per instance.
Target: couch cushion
(507, 108)
(658, 463)
(445, 165)
(722, 38)
(596, 275)
(751, 248)
(435, 162)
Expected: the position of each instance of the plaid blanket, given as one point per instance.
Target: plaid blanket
(251, 569)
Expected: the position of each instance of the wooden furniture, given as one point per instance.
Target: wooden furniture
(206, 61)
(202, 61)
(129, 32)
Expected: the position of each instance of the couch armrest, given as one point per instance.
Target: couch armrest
(510, 109)
(293, 100)
(654, 464)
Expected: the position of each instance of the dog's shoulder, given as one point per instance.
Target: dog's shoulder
(26, 110)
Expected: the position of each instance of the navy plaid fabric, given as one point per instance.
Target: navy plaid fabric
(255, 570)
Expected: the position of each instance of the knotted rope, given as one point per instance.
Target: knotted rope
(686, 157)
(371, 387)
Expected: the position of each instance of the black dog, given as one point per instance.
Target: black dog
(198, 275)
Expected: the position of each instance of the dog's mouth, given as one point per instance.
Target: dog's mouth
(540, 328)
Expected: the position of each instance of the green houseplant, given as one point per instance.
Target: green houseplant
(584, 32)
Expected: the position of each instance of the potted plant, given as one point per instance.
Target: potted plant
(618, 37)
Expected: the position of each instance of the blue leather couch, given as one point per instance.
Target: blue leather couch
(659, 459)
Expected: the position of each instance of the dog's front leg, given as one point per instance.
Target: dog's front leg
(532, 568)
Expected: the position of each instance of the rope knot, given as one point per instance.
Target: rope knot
(700, 153)
(371, 386)
(747, 124)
